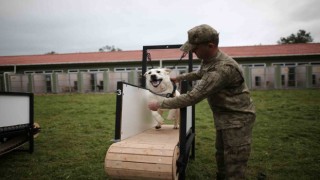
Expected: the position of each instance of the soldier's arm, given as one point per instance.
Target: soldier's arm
(192, 76)
(211, 82)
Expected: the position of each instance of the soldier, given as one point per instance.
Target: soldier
(222, 83)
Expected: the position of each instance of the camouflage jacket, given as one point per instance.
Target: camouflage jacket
(222, 83)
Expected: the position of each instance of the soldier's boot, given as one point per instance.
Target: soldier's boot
(261, 176)
(220, 176)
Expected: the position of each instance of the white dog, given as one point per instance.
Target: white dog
(160, 86)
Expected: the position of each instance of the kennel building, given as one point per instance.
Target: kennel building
(266, 67)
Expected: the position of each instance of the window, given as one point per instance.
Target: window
(284, 64)
(246, 65)
(53, 71)
(128, 69)
(277, 64)
(29, 72)
(254, 65)
(73, 70)
(290, 64)
(259, 65)
(302, 63)
(139, 69)
(196, 67)
(177, 67)
(43, 72)
(119, 69)
(295, 64)
(182, 67)
(87, 70)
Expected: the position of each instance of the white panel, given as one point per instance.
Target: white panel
(14, 110)
(189, 118)
(136, 116)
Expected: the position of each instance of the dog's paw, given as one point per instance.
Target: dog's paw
(175, 127)
(160, 123)
(158, 126)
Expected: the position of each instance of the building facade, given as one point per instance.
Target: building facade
(265, 67)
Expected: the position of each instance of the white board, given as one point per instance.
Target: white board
(136, 116)
(14, 110)
(189, 118)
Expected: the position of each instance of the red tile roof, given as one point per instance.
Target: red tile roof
(168, 54)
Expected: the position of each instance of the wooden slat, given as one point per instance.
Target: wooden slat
(143, 146)
(174, 161)
(142, 151)
(139, 158)
(140, 166)
(135, 174)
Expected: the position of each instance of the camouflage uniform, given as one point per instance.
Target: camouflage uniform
(222, 83)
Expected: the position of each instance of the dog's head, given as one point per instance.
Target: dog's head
(158, 80)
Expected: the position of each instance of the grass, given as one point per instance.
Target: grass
(77, 129)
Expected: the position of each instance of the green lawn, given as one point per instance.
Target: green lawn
(77, 130)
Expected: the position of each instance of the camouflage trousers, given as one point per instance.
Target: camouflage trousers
(233, 148)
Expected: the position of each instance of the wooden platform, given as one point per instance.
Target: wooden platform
(151, 154)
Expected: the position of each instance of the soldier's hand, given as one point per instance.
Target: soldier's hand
(174, 80)
(154, 105)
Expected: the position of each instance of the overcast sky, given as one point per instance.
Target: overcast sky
(68, 26)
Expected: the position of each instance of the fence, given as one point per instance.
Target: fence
(82, 82)
(274, 77)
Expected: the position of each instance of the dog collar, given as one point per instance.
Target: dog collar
(168, 95)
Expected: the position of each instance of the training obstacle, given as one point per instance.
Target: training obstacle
(16, 121)
(140, 151)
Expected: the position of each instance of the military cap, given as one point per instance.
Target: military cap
(198, 35)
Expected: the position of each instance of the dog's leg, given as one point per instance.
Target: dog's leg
(171, 114)
(174, 115)
(177, 119)
(157, 117)
(160, 111)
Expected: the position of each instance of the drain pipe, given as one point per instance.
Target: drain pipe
(5, 79)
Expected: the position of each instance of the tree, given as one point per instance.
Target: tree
(109, 48)
(52, 52)
(301, 37)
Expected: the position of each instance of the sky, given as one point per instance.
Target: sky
(70, 26)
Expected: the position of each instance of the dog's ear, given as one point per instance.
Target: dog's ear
(145, 74)
(168, 71)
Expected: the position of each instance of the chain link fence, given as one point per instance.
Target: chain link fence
(274, 77)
